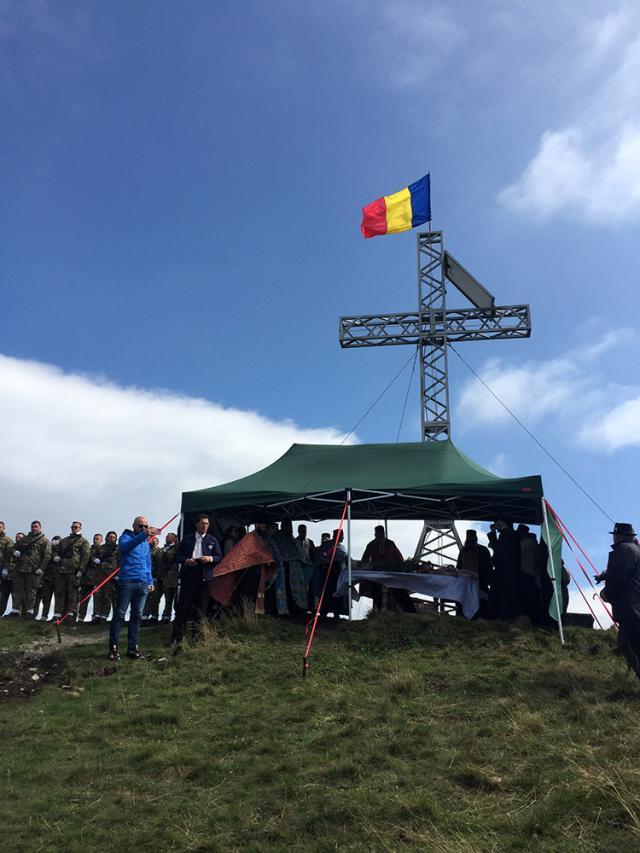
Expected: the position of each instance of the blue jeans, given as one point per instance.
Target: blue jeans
(132, 593)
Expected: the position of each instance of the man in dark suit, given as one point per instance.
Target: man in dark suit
(198, 553)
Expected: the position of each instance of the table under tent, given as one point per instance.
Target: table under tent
(411, 481)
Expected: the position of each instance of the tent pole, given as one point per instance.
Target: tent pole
(553, 569)
(349, 546)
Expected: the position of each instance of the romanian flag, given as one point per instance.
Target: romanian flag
(398, 212)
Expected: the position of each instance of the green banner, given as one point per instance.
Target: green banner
(552, 536)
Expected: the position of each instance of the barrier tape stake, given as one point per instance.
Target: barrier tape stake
(307, 665)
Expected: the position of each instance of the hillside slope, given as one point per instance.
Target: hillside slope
(409, 732)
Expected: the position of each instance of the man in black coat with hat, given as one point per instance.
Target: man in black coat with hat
(622, 590)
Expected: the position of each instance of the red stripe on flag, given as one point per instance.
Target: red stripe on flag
(374, 218)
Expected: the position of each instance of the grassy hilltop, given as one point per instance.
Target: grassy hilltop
(409, 733)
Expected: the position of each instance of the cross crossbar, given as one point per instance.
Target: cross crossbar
(413, 327)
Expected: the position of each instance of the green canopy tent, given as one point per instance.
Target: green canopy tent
(421, 480)
(397, 481)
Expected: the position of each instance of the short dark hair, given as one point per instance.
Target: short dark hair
(35, 521)
(201, 516)
(378, 527)
(110, 532)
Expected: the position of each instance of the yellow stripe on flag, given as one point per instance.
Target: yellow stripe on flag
(398, 211)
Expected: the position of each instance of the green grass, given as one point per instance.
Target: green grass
(423, 733)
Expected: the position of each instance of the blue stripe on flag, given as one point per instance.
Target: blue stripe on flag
(420, 201)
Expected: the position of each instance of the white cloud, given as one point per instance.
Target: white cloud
(590, 168)
(410, 40)
(604, 33)
(81, 446)
(616, 428)
(533, 391)
(570, 389)
(500, 465)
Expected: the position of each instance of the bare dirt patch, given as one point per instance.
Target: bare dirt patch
(25, 669)
(22, 674)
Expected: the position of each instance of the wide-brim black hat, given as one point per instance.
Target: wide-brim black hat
(623, 529)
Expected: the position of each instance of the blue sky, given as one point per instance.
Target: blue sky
(181, 194)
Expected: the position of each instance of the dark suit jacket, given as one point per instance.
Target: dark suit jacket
(210, 548)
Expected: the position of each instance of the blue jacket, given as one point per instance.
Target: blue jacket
(135, 557)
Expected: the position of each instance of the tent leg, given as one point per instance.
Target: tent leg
(553, 569)
(349, 547)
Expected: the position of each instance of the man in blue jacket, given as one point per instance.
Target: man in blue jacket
(135, 582)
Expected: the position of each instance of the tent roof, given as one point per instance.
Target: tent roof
(431, 480)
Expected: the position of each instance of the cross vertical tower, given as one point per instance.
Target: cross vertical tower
(434, 374)
(431, 329)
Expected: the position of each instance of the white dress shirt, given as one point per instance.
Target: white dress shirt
(197, 548)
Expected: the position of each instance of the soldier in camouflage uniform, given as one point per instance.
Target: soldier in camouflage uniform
(152, 604)
(74, 553)
(46, 584)
(107, 556)
(87, 581)
(31, 556)
(170, 574)
(6, 563)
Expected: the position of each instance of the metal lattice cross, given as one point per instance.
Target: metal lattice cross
(431, 328)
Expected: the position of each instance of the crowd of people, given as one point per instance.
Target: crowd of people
(36, 572)
(277, 572)
(155, 582)
(512, 573)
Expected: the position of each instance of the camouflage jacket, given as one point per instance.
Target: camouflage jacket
(74, 553)
(52, 565)
(34, 553)
(170, 566)
(6, 552)
(109, 556)
(91, 569)
(107, 553)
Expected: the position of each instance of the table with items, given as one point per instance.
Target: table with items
(441, 582)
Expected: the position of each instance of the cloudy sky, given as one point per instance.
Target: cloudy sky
(181, 194)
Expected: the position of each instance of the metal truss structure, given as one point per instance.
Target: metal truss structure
(431, 328)
(460, 324)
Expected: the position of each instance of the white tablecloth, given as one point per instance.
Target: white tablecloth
(463, 590)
